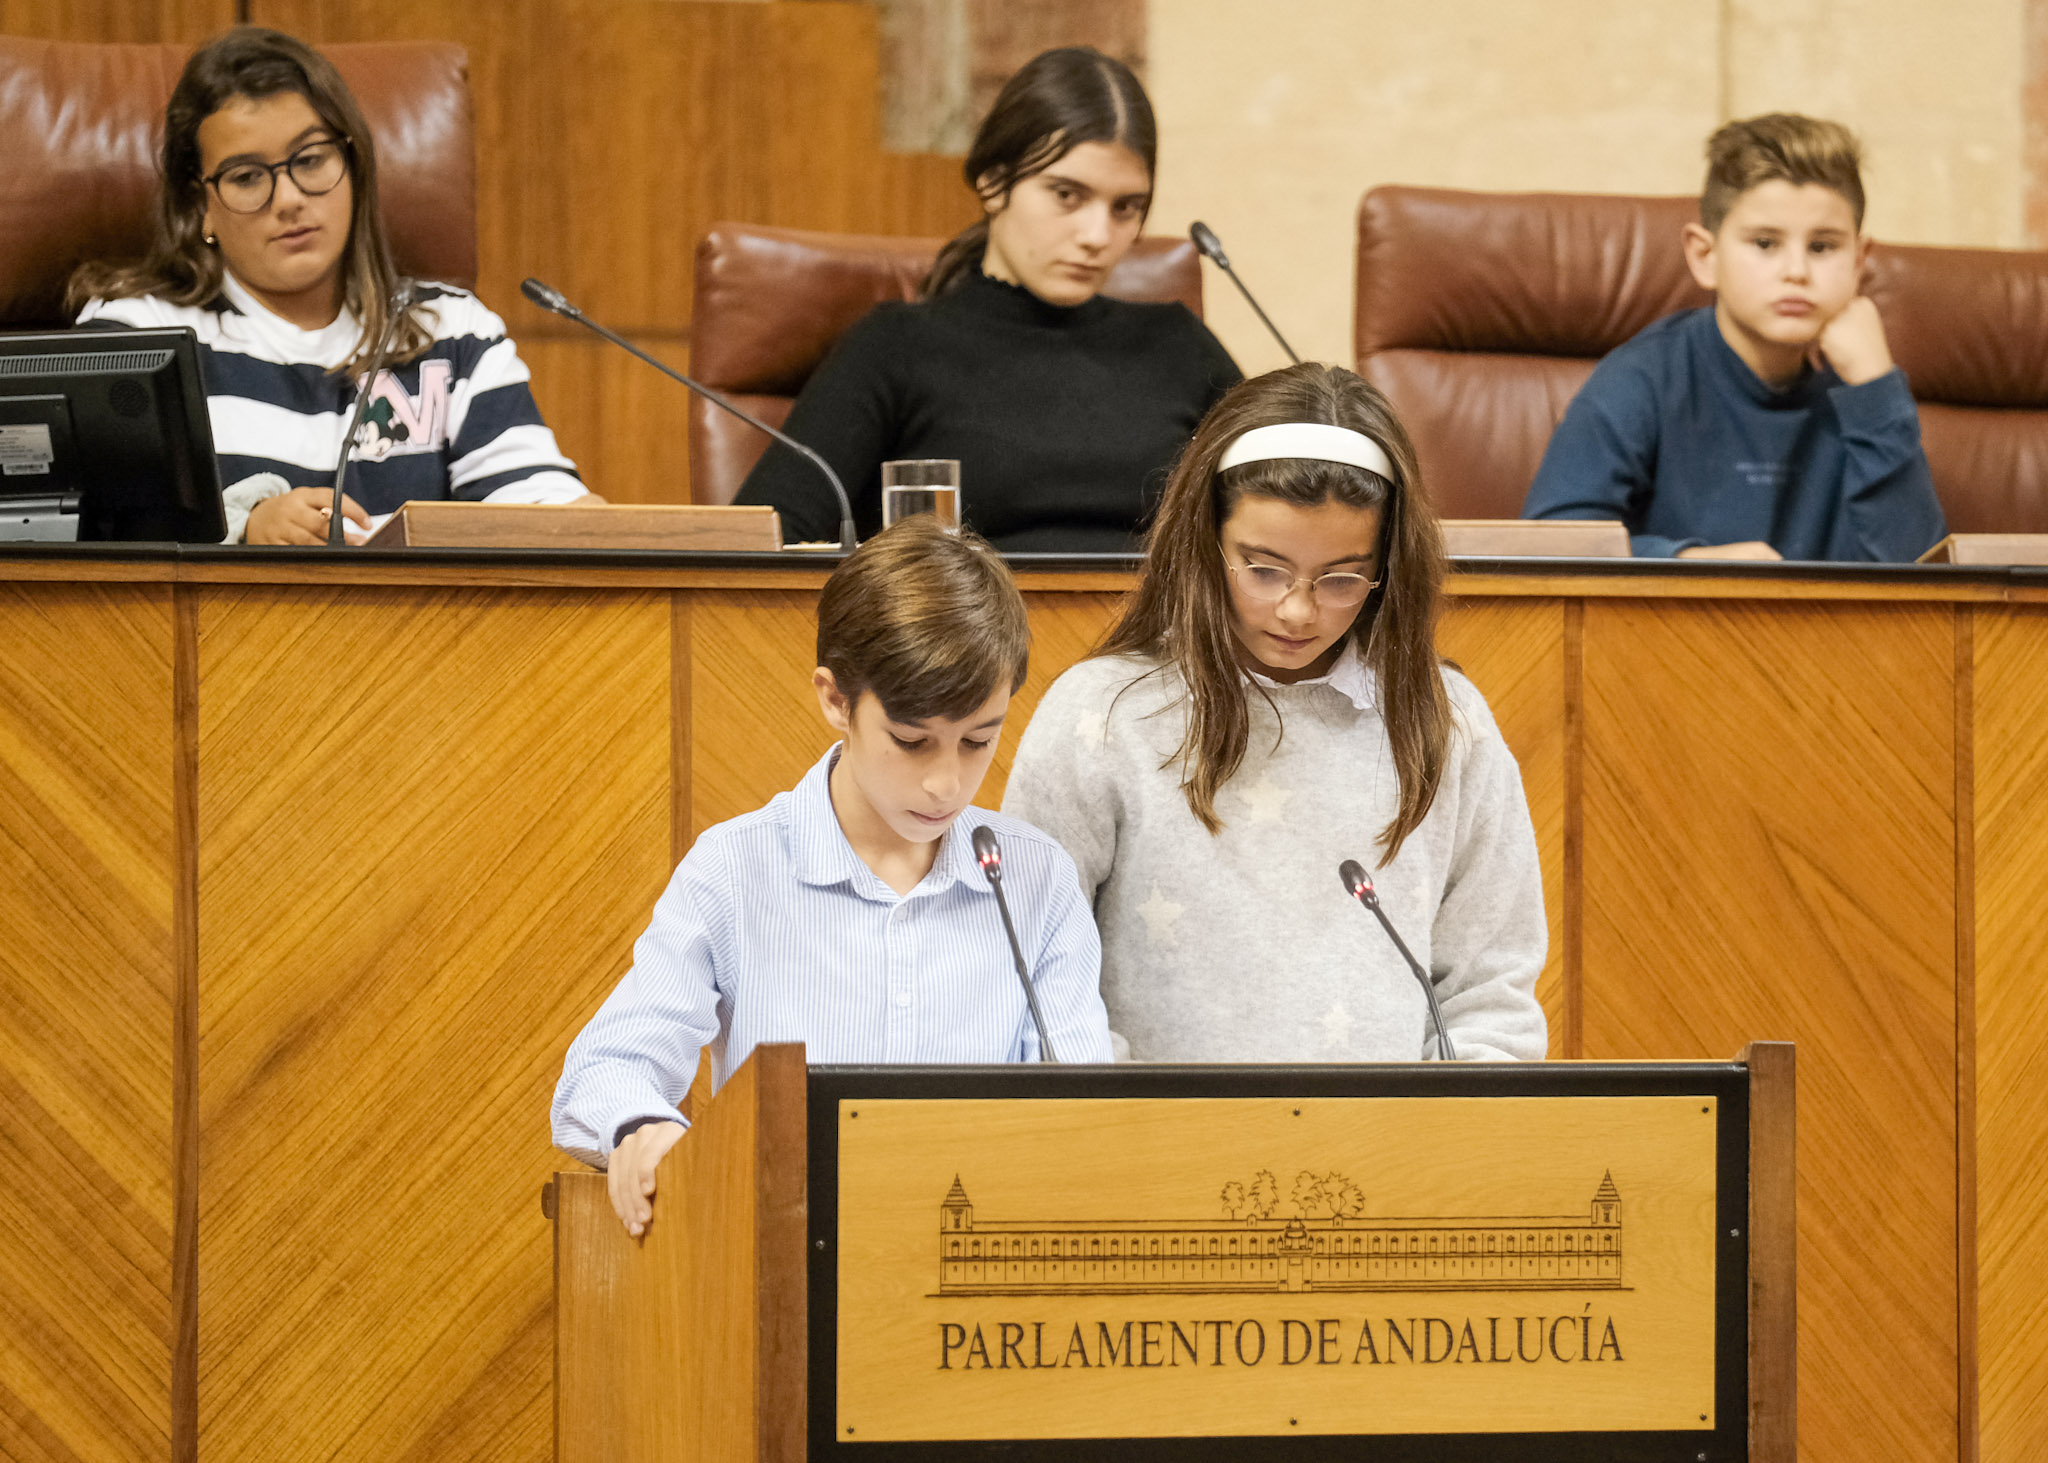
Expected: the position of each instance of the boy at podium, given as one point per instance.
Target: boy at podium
(850, 913)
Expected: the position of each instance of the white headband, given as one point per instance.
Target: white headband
(1314, 441)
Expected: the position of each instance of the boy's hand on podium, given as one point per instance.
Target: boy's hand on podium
(630, 1177)
(1853, 343)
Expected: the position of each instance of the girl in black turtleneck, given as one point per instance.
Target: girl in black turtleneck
(1065, 407)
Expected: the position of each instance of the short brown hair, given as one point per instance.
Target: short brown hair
(928, 620)
(1780, 146)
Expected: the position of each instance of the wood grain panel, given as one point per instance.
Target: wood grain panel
(1769, 824)
(115, 20)
(1773, 1251)
(431, 824)
(1513, 651)
(923, 194)
(623, 423)
(2011, 1027)
(87, 982)
(1965, 874)
(755, 728)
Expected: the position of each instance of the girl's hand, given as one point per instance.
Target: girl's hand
(300, 517)
(630, 1178)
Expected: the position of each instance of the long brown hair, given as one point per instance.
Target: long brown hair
(1181, 611)
(182, 267)
(1059, 100)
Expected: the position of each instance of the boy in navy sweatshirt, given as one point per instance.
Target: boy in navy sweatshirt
(1772, 424)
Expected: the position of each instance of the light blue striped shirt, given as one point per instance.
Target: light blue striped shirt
(773, 929)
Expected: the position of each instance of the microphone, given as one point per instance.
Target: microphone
(1359, 886)
(989, 854)
(1212, 247)
(550, 298)
(401, 301)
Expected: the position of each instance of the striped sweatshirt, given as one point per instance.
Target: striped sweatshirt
(458, 421)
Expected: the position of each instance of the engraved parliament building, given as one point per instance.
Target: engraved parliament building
(1495, 1252)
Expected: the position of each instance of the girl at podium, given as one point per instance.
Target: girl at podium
(1270, 705)
(271, 247)
(1064, 407)
(850, 913)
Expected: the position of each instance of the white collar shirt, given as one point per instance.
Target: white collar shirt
(773, 930)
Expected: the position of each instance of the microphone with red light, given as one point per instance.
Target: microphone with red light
(989, 854)
(1358, 884)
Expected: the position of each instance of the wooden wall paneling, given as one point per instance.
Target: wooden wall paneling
(680, 832)
(115, 20)
(1572, 911)
(1965, 875)
(1769, 824)
(2011, 1031)
(1514, 652)
(88, 974)
(637, 144)
(754, 722)
(923, 193)
(820, 117)
(623, 423)
(185, 1028)
(431, 823)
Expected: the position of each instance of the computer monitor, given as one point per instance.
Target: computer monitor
(104, 435)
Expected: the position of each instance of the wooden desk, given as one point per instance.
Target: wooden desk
(310, 869)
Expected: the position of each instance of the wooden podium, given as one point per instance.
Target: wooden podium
(1405, 1262)
(1989, 548)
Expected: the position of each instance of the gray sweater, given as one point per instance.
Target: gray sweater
(1244, 946)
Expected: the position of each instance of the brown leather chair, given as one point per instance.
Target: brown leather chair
(1970, 329)
(81, 126)
(771, 302)
(1481, 314)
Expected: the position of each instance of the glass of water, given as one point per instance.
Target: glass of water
(922, 485)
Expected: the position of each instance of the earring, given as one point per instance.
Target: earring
(209, 238)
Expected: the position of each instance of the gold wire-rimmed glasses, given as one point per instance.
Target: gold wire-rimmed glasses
(1269, 584)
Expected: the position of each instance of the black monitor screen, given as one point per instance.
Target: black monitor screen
(104, 435)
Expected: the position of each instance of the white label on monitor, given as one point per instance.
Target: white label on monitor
(25, 450)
